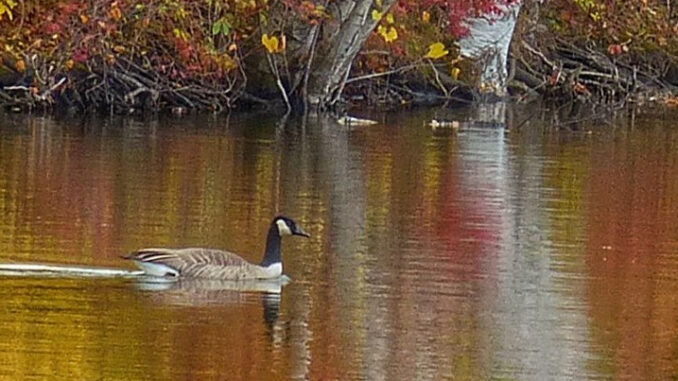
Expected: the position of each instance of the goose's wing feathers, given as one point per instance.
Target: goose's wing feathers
(197, 262)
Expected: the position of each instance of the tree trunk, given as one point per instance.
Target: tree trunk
(337, 49)
(488, 41)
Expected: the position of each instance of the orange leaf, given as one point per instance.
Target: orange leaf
(115, 13)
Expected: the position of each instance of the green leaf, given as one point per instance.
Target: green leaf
(216, 28)
(221, 26)
(225, 28)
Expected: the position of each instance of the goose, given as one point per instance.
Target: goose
(198, 262)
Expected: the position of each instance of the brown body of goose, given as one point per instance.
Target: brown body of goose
(218, 264)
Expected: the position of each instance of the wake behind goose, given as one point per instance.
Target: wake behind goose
(57, 270)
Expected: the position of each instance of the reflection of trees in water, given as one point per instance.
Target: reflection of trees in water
(321, 178)
(210, 292)
(448, 253)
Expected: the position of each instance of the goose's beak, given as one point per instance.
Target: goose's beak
(301, 232)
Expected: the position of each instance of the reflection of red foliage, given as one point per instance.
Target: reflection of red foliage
(469, 221)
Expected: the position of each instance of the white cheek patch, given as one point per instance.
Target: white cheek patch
(283, 229)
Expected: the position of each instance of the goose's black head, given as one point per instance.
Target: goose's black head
(287, 226)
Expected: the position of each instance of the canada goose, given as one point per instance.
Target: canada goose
(218, 264)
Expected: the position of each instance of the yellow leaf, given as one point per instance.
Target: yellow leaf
(389, 34)
(455, 73)
(392, 34)
(379, 3)
(436, 50)
(6, 8)
(84, 19)
(273, 44)
(376, 15)
(389, 18)
(425, 16)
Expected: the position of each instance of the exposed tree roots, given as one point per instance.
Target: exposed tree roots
(568, 70)
(555, 68)
(121, 87)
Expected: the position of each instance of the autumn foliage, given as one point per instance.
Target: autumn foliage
(604, 50)
(157, 46)
(192, 53)
(640, 25)
(208, 54)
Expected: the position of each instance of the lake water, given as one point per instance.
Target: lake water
(532, 251)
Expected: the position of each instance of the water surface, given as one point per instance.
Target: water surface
(530, 251)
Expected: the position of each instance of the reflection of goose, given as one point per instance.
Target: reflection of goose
(202, 292)
(218, 264)
(202, 285)
(196, 292)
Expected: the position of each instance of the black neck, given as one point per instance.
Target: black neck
(272, 254)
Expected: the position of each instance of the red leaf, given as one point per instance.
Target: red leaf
(80, 55)
(53, 28)
(615, 49)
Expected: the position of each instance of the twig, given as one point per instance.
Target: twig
(278, 82)
(48, 92)
(381, 74)
(438, 81)
(538, 53)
